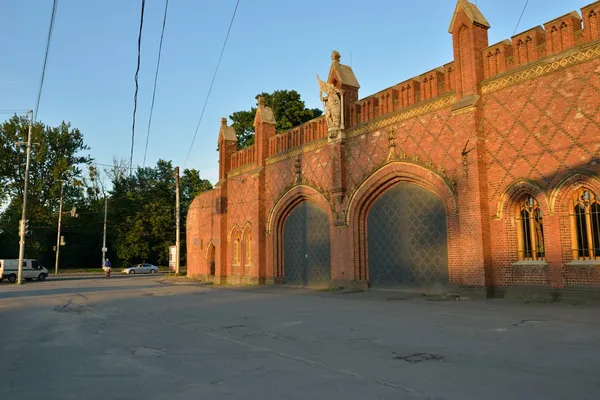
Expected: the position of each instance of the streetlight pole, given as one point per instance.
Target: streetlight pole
(62, 185)
(104, 238)
(24, 212)
(177, 222)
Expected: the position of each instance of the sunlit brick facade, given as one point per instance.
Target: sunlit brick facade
(502, 143)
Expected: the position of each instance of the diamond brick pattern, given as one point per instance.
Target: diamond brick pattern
(406, 231)
(306, 249)
(541, 129)
(430, 137)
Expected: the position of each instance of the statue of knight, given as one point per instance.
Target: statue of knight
(333, 107)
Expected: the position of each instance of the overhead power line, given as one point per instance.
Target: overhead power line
(137, 72)
(521, 16)
(16, 111)
(155, 80)
(48, 41)
(213, 81)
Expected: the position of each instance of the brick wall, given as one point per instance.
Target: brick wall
(500, 122)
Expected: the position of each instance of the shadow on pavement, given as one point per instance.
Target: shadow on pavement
(74, 290)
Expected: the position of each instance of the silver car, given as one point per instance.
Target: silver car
(141, 269)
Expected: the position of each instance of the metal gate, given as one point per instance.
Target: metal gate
(306, 246)
(407, 238)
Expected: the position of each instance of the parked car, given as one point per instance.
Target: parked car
(31, 270)
(141, 269)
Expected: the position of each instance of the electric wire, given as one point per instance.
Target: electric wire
(15, 111)
(155, 80)
(521, 16)
(137, 72)
(212, 82)
(48, 41)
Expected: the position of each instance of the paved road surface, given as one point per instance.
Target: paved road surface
(146, 338)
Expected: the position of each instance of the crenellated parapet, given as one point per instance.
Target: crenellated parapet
(557, 36)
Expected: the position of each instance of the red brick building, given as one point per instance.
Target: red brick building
(482, 173)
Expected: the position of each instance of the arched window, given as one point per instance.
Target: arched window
(235, 248)
(531, 230)
(585, 225)
(248, 247)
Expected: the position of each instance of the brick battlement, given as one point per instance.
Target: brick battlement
(427, 86)
(556, 36)
(243, 157)
(309, 131)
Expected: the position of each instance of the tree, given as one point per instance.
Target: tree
(289, 111)
(56, 155)
(142, 212)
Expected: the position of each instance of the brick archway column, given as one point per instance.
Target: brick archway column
(276, 219)
(375, 186)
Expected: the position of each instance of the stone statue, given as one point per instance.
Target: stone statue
(332, 103)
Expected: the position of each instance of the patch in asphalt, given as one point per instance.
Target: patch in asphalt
(416, 358)
(70, 307)
(527, 321)
(271, 335)
(146, 351)
(232, 326)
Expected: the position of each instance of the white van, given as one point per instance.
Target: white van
(31, 270)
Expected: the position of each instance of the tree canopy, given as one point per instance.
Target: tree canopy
(141, 205)
(289, 111)
(56, 155)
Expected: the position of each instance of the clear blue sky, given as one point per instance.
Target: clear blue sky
(274, 44)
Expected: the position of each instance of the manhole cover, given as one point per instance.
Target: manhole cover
(419, 358)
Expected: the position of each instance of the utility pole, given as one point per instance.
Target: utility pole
(104, 249)
(24, 213)
(62, 185)
(177, 224)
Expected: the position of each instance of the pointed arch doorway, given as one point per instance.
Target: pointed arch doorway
(407, 238)
(306, 246)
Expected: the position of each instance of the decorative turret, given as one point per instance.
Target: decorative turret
(342, 77)
(469, 37)
(264, 129)
(227, 144)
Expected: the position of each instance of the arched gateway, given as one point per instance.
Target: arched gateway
(306, 245)
(407, 238)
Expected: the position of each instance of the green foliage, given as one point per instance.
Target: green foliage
(289, 111)
(55, 155)
(143, 208)
(141, 205)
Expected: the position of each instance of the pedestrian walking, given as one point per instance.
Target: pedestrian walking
(107, 268)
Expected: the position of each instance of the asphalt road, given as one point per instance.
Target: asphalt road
(149, 338)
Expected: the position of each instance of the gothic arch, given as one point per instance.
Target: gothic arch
(559, 198)
(246, 249)
(517, 189)
(401, 171)
(210, 258)
(374, 186)
(279, 212)
(235, 229)
(291, 198)
(209, 248)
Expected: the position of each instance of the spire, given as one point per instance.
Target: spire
(472, 12)
(263, 112)
(226, 132)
